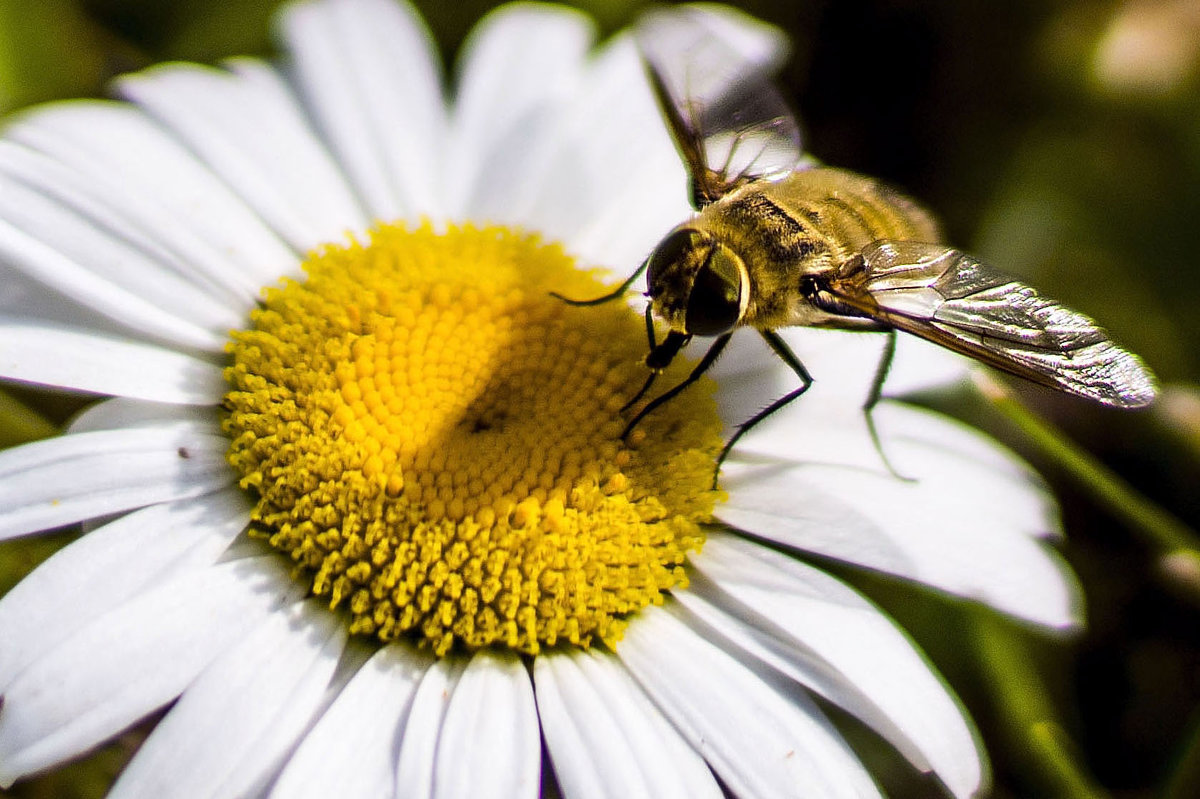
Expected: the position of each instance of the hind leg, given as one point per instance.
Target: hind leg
(873, 397)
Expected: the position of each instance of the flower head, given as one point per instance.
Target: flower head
(435, 439)
(358, 503)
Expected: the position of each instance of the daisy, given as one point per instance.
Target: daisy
(473, 561)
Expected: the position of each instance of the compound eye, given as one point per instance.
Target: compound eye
(671, 251)
(714, 304)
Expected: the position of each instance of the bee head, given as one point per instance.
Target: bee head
(696, 283)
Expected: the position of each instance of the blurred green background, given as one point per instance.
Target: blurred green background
(1060, 141)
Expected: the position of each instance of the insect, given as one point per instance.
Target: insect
(779, 240)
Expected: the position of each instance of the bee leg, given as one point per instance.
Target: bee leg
(660, 357)
(653, 341)
(616, 293)
(873, 397)
(650, 378)
(788, 357)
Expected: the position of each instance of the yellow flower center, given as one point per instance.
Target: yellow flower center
(436, 442)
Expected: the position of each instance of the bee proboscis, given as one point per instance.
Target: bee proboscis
(779, 241)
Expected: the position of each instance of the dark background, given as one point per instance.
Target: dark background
(1057, 140)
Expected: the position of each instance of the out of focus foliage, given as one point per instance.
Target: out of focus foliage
(1059, 140)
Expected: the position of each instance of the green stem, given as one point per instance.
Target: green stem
(1027, 713)
(1177, 545)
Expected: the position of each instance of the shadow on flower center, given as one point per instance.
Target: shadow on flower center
(434, 440)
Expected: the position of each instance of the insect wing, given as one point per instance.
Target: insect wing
(711, 70)
(947, 297)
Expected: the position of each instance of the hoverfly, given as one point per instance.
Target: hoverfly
(779, 240)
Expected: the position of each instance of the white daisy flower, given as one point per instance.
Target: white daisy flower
(435, 443)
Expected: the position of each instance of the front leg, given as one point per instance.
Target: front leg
(656, 360)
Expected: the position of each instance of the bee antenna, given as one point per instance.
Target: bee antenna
(616, 293)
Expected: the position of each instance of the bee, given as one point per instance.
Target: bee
(779, 240)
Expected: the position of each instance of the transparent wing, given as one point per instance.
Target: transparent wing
(711, 69)
(947, 297)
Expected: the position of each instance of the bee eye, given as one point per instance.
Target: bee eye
(671, 252)
(714, 304)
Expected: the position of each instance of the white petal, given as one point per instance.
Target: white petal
(76, 477)
(642, 169)
(922, 366)
(746, 358)
(105, 229)
(84, 283)
(748, 377)
(842, 366)
(490, 742)
(116, 211)
(123, 412)
(821, 633)
(612, 150)
(966, 523)
(520, 64)
(937, 454)
(26, 299)
(117, 148)
(761, 739)
(248, 128)
(371, 76)
(352, 750)
(53, 356)
(423, 727)
(597, 170)
(131, 661)
(229, 732)
(110, 565)
(606, 739)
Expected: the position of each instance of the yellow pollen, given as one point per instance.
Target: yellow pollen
(434, 440)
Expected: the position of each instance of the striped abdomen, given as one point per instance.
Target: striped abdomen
(808, 224)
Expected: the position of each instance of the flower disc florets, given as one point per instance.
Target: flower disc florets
(435, 440)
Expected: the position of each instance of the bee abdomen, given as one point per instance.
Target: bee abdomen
(850, 211)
